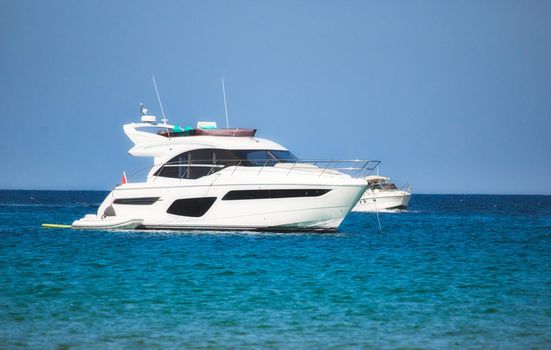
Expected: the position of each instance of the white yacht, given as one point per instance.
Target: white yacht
(207, 178)
(382, 193)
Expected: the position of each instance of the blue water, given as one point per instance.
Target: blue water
(452, 272)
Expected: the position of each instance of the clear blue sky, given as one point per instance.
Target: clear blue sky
(452, 96)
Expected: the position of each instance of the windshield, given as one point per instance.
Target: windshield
(264, 157)
(284, 156)
(381, 185)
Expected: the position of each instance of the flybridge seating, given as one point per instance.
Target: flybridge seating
(178, 132)
(202, 129)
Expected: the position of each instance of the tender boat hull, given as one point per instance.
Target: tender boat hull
(93, 222)
(382, 200)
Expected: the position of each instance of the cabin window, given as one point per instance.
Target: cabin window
(191, 165)
(276, 193)
(136, 201)
(258, 157)
(194, 207)
(203, 162)
(382, 185)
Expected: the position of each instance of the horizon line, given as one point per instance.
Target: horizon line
(414, 193)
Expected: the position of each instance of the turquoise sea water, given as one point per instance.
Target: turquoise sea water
(452, 272)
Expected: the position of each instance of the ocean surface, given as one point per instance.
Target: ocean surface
(452, 272)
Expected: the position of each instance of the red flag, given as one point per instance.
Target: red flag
(123, 178)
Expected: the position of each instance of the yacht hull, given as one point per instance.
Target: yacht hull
(285, 214)
(310, 203)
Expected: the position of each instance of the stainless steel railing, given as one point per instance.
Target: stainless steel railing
(355, 168)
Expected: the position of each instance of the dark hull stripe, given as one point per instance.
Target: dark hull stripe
(211, 228)
(136, 201)
(275, 193)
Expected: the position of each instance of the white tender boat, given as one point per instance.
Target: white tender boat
(207, 178)
(381, 194)
(91, 221)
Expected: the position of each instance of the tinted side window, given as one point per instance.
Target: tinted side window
(168, 171)
(173, 168)
(194, 207)
(204, 162)
(189, 165)
(226, 157)
(259, 158)
(195, 160)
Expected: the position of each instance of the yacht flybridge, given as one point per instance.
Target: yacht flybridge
(207, 178)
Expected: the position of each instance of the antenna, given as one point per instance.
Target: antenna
(159, 98)
(225, 104)
(143, 110)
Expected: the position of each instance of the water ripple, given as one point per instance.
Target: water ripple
(453, 272)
